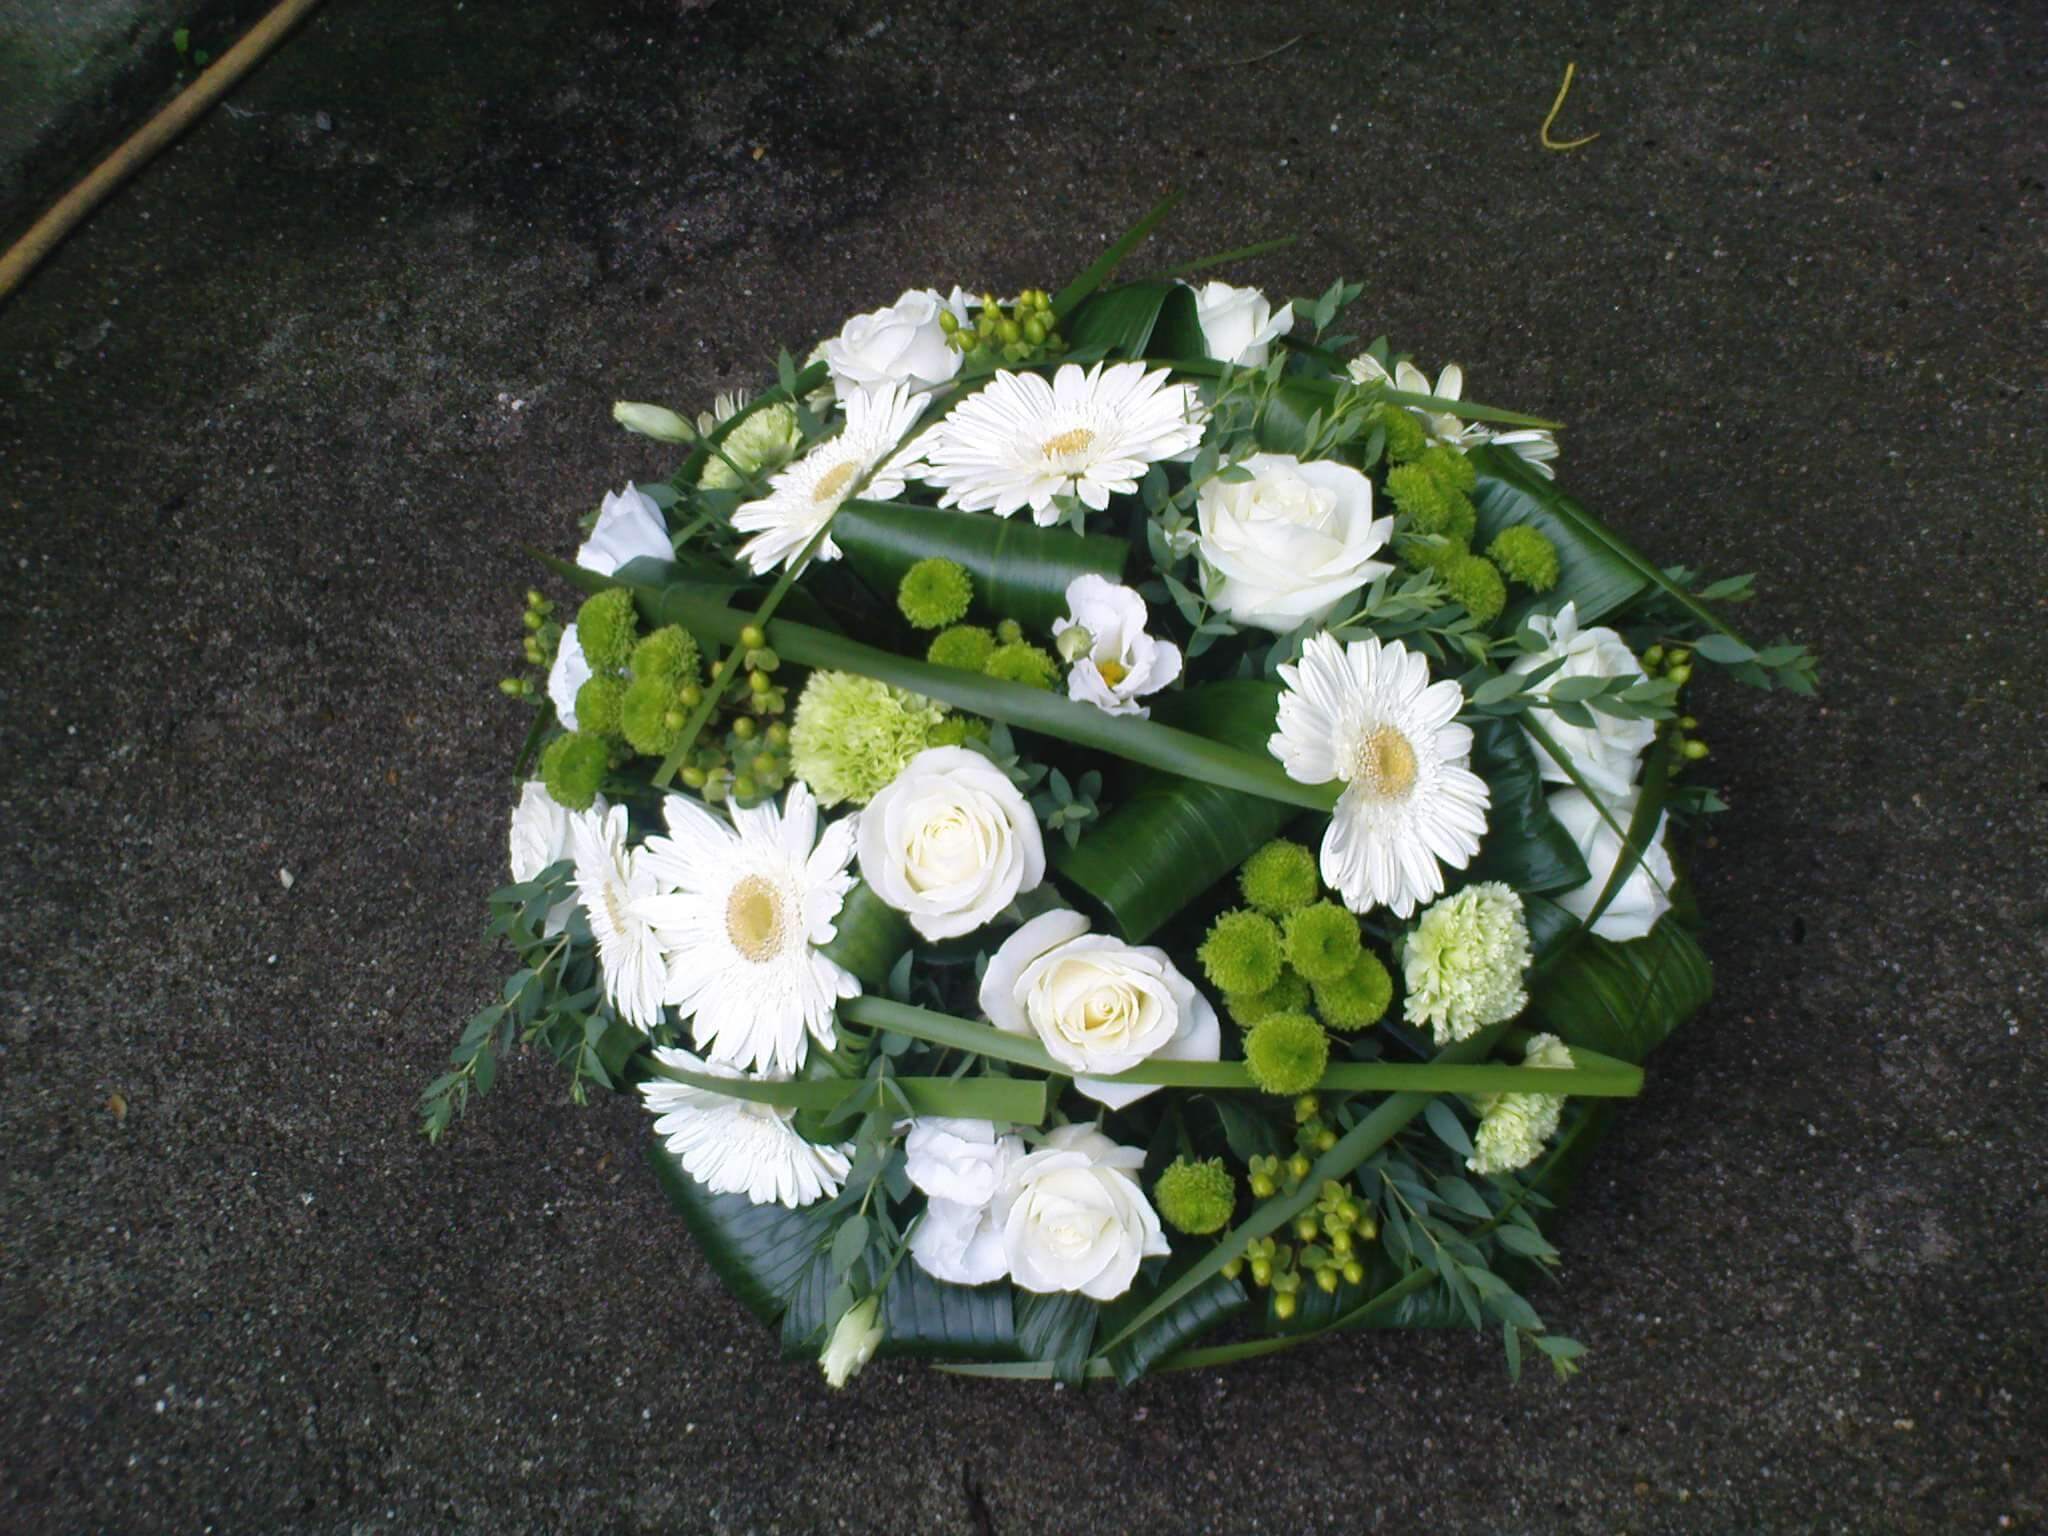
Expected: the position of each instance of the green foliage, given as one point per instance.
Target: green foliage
(1068, 808)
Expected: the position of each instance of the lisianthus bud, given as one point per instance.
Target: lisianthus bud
(653, 421)
(853, 1342)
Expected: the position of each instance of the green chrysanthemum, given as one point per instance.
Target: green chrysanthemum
(1358, 998)
(651, 716)
(759, 446)
(1438, 554)
(606, 630)
(934, 593)
(669, 652)
(1241, 953)
(1464, 962)
(1406, 439)
(1322, 941)
(1476, 585)
(853, 735)
(572, 768)
(1196, 1198)
(1020, 661)
(965, 646)
(598, 703)
(1290, 994)
(1286, 1053)
(1432, 505)
(1450, 469)
(1280, 878)
(1526, 555)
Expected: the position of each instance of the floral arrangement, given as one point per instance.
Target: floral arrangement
(1110, 831)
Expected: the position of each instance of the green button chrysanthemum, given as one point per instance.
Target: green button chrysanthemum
(1241, 953)
(934, 593)
(1286, 1053)
(606, 628)
(1358, 998)
(572, 768)
(1196, 1198)
(1290, 994)
(1280, 878)
(1322, 941)
(1525, 555)
(965, 646)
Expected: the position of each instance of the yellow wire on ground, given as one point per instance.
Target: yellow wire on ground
(141, 147)
(1557, 106)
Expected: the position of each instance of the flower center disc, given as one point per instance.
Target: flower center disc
(1113, 672)
(833, 481)
(1385, 764)
(1074, 440)
(753, 919)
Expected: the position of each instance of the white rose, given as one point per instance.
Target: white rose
(902, 344)
(853, 1342)
(541, 835)
(1644, 896)
(950, 842)
(1291, 543)
(1606, 752)
(1239, 325)
(1097, 1005)
(1114, 662)
(1074, 1218)
(629, 526)
(569, 673)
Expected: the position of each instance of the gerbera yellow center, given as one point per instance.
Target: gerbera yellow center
(1384, 764)
(1073, 440)
(1113, 672)
(753, 919)
(833, 481)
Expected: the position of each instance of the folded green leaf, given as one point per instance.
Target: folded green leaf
(1134, 319)
(1625, 999)
(926, 1319)
(760, 1252)
(1524, 846)
(1194, 1314)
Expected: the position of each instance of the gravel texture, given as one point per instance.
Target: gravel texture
(274, 429)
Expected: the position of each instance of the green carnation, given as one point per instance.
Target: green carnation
(598, 703)
(1289, 994)
(1286, 1053)
(760, 445)
(1432, 505)
(1196, 1198)
(606, 630)
(965, 646)
(1451, 470)
(1526, 555)
(1406, 439)
(1358, 998)
(1464, 962)
(1514, 1126)
(669, 652)
(651, 716)
(1022, 662)
(1322, 941)
(1438, 554)
(1476, 585)
(935, 593)
(1279, 878)
(853, 735)
(573, 768)
(1241, 953)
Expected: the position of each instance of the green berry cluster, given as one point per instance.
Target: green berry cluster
(540, 635)
(1021, 333)
(747, 760)
(1675, 666)
(1327, 1237)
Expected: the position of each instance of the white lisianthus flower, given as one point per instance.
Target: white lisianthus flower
(655, 421)
(1464, 962)
(960, 1165)
(853, 1342)
(1114, 662)
(1536, 447)
(1239, 324)
(629, 527)
(1074, 1218)
(542, 835)
(1289, 544)
(736, 1146)
(950, 842)
(1645, 896)
(1514, 1126)
(1097, 1005)
(902, 344)
(570, 672)
(1607, 752)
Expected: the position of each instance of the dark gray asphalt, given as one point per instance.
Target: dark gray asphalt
(273, 430)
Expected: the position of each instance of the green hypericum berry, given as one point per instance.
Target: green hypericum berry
(1241, 953)
(1526, 555)
(572, 768)
(645, 714)
(669, 652)
(1279, 878)
(1358, 998)
(1477, 586)
(1009, 632)
(1450, 468)
(605, 629)
(935, 593)
(1286, 1053)
(597, 706)
(1322, 941)
(1022, 662)
(1196, 1198)
(1289, 994)
(1406, 438)
(966, 646)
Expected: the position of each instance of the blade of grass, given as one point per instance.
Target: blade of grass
(1098, 271)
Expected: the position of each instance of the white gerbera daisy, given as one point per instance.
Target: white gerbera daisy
(802, 498)
(742, 912)
(735, 1146)
(610, 879)
(1368, 714)
(1021, 441)
(1533, 446)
